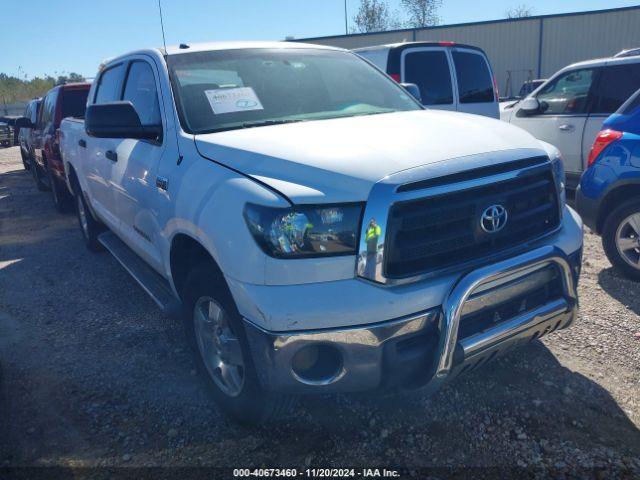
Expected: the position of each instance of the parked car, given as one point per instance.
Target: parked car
(63, 101)
(451, 76)
(608, 197)
(6, 135)
(25, 135)
(319, 230)
(529, 86)
(568, 110)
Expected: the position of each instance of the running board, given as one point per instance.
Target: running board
(150, 281)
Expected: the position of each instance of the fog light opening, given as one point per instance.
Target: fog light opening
(317, 364)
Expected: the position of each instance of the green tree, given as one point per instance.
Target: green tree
(421, 13)
(374, 16)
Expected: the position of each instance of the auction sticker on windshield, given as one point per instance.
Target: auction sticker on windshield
(228, 100)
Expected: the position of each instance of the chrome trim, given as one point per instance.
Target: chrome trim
(360, 347)
(363, 347)
(384, 194)
(455, 302)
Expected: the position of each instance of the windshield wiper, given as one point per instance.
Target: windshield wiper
(265, 123)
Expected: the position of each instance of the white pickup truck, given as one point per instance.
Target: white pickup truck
(315, 226)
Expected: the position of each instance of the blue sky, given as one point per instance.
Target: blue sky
(76, 35)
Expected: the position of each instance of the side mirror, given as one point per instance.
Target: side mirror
(530, 105)
(23, 122)
(118, 120)
(413, 90)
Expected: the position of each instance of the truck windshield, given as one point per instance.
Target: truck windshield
(243, 88)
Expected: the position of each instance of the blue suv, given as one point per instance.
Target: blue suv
(608, 198)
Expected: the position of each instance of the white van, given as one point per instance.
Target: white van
(451, 76)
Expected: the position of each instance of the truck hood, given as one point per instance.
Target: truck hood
(339, 160)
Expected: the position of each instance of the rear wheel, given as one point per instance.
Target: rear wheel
(89, 226)
(621, 239)
(215, 331)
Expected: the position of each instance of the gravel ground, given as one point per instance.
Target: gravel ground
(91, 374)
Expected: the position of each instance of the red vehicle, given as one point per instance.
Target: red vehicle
(48, 170)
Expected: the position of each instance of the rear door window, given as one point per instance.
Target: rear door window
(74, 103)
(617, 83)
(429, 70)
(110, 85)
(475, 84)
(568, 94)
(140, 90)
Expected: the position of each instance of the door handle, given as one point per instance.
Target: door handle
(567, 127)
(82, 143)
(111, 155)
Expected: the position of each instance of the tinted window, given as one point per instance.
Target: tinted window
(475, 84)
(140, 90)
(617, 83)
(74, 103)
(633, 105)
(429, 70)
(48, 109)
(567, 94)
(110, 85)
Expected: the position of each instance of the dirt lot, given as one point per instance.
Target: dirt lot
(91, 374)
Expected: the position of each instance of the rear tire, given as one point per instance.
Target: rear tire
(89, 226)
(216, 334)
(621, 239)
(62, 199)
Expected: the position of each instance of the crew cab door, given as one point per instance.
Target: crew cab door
(135, 182)
(44, 126)
(560, 121)
(101, 158)
(430, 69)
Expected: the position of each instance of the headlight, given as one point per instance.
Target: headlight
(305, 231)
(560, 178)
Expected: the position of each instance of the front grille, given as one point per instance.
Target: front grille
(443, 231)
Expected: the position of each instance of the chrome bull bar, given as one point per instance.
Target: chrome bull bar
(454, 305)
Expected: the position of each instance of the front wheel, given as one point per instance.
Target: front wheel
(62, 199)
(89, 226)
(25, 160)
(214, 329)
(38, 177)
(621, 239)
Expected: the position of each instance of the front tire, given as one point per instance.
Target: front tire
(621, 239)
(25, 160)
(216, 334)
(37, 177)
(89, 226)
(62, 199)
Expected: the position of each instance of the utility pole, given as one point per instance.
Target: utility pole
(346, 29)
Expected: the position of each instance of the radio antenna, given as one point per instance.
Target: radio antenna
(164, 42)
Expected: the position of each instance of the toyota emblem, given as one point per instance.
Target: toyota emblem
(494, 218)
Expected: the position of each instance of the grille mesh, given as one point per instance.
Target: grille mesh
(442, 231)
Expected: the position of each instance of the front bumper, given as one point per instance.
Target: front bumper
(430, 347)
